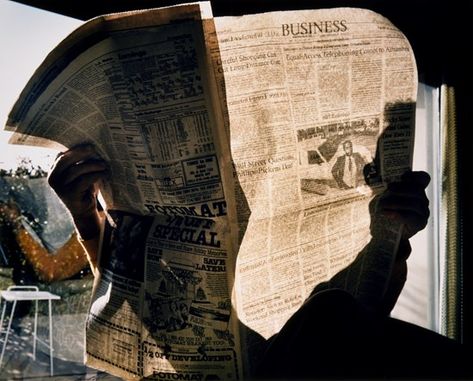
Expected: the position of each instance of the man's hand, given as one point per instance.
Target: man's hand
(405, 202)
(74, 177)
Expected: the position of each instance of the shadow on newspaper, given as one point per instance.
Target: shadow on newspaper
(390, 159)
(164, 284)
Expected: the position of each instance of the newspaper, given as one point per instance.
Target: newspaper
(231, 195)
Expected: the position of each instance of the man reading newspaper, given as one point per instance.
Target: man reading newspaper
(332, 334)
(212, 143)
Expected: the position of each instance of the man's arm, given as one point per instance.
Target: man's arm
(75, 178)
(404, 202)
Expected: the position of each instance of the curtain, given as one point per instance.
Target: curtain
(451, 306)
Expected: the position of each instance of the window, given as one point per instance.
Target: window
(419, 301)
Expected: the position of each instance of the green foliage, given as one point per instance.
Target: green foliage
(25, 169)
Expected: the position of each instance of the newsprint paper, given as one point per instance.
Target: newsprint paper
(231, 195)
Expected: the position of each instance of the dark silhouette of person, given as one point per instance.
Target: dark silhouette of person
(334, 334)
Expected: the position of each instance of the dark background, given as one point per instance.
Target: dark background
(441, 34)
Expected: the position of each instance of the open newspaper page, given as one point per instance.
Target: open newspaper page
(309, 95)
(139, 87)
(321, 115)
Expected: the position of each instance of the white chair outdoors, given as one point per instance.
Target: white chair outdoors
(15, 294)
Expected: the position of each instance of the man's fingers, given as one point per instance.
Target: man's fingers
(411, 188)
(403, 201)
(406, 202)
(84, 182)
(419, 178)
(412, 218)
(68, 159)
(407, 195)
(73, 154)
(410, 209)
(82, 169)
(407, 206)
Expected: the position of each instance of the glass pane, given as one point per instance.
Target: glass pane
(34, 225)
